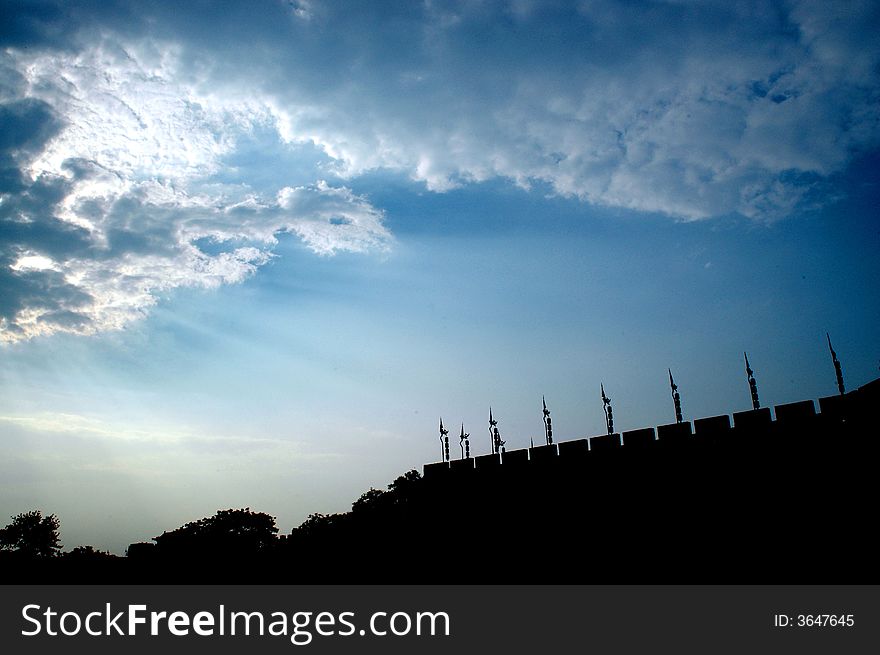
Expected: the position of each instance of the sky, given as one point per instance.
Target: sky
(250, 252)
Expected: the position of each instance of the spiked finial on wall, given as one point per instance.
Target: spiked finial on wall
(464, 444)
(609, 414)
(753, 386)
(497, 443)
(492, 424)
(837, 370)
(444, 442)
(548, 423)
(676, 398)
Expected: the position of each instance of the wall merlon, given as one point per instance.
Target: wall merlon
(643, 438)
(487, 462)
(753, 419)
(798, 412)
(605, 443)
(518, 457)
(833, 406)
(436, 469)
(674, 432)
(543, 453)
(712, 426)
(462, 465)
(578, 448)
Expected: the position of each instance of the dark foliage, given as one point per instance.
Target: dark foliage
(82, 554)
(230, 532)
(32, 535)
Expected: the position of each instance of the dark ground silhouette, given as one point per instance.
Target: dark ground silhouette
(787, 501)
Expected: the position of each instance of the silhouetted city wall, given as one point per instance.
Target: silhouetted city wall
(744, 498)
(755, 428)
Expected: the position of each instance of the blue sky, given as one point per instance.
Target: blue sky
(249, 256)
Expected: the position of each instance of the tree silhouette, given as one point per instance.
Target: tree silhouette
(229, 531)
(405, 487)
(86, 554)
(32, 534)
(318, 524)
(369, 500)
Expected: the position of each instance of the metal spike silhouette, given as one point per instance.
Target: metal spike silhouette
(497, 444)
(548, 424)
(837, 370)
(492, 424)
(444, 442)
(676, 398)
(609, 414)
(753, 386)
(464, 444)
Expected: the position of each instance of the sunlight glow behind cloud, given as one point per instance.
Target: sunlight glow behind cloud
(110, 191)
(119, 188)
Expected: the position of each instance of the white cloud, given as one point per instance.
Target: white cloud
(34, 263)
(693, 111)
(687, 109)
(335, 219)
(128, 114)
(135, 146)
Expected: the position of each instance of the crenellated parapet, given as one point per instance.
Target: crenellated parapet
(789, 426)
